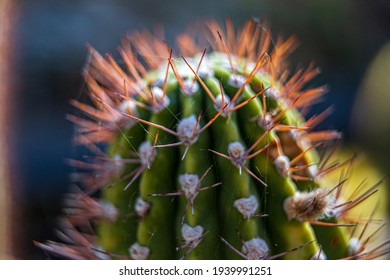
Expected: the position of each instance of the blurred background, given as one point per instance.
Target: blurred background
(345, 38)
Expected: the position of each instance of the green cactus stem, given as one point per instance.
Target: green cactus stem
(209, 156)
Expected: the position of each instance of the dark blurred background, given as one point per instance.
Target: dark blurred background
(341, 36)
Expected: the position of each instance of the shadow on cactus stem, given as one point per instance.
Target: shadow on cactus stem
(205, 153)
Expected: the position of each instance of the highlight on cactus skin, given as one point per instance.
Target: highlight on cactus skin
(207, 154)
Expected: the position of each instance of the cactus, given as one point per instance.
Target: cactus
(208, 155)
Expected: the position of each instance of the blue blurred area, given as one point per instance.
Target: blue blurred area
(341, 36)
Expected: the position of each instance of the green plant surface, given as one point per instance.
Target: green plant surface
(211, 156)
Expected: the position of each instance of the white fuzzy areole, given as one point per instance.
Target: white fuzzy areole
(247, 206)
(320, 255)
(162, 100)
(237, 154)
(191, 234)
(272, 93)
(138, 252)
(190, 87)
(109, 211)
(128, 106)
(146, 153)
(205, 68)
(298, 136)
(354, 246)
(236, 81)
(116, 166)
(282, 165)
(309, 206)
(141, 207)
(313, 171)
(236, 150)
(183, 70)
(189, 184)
(186, 128)
(265, 122)
(255, 249)
(219, 105)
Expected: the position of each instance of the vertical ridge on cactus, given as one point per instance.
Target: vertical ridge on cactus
(207, 156)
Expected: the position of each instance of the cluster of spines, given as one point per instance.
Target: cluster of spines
(246, 170)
